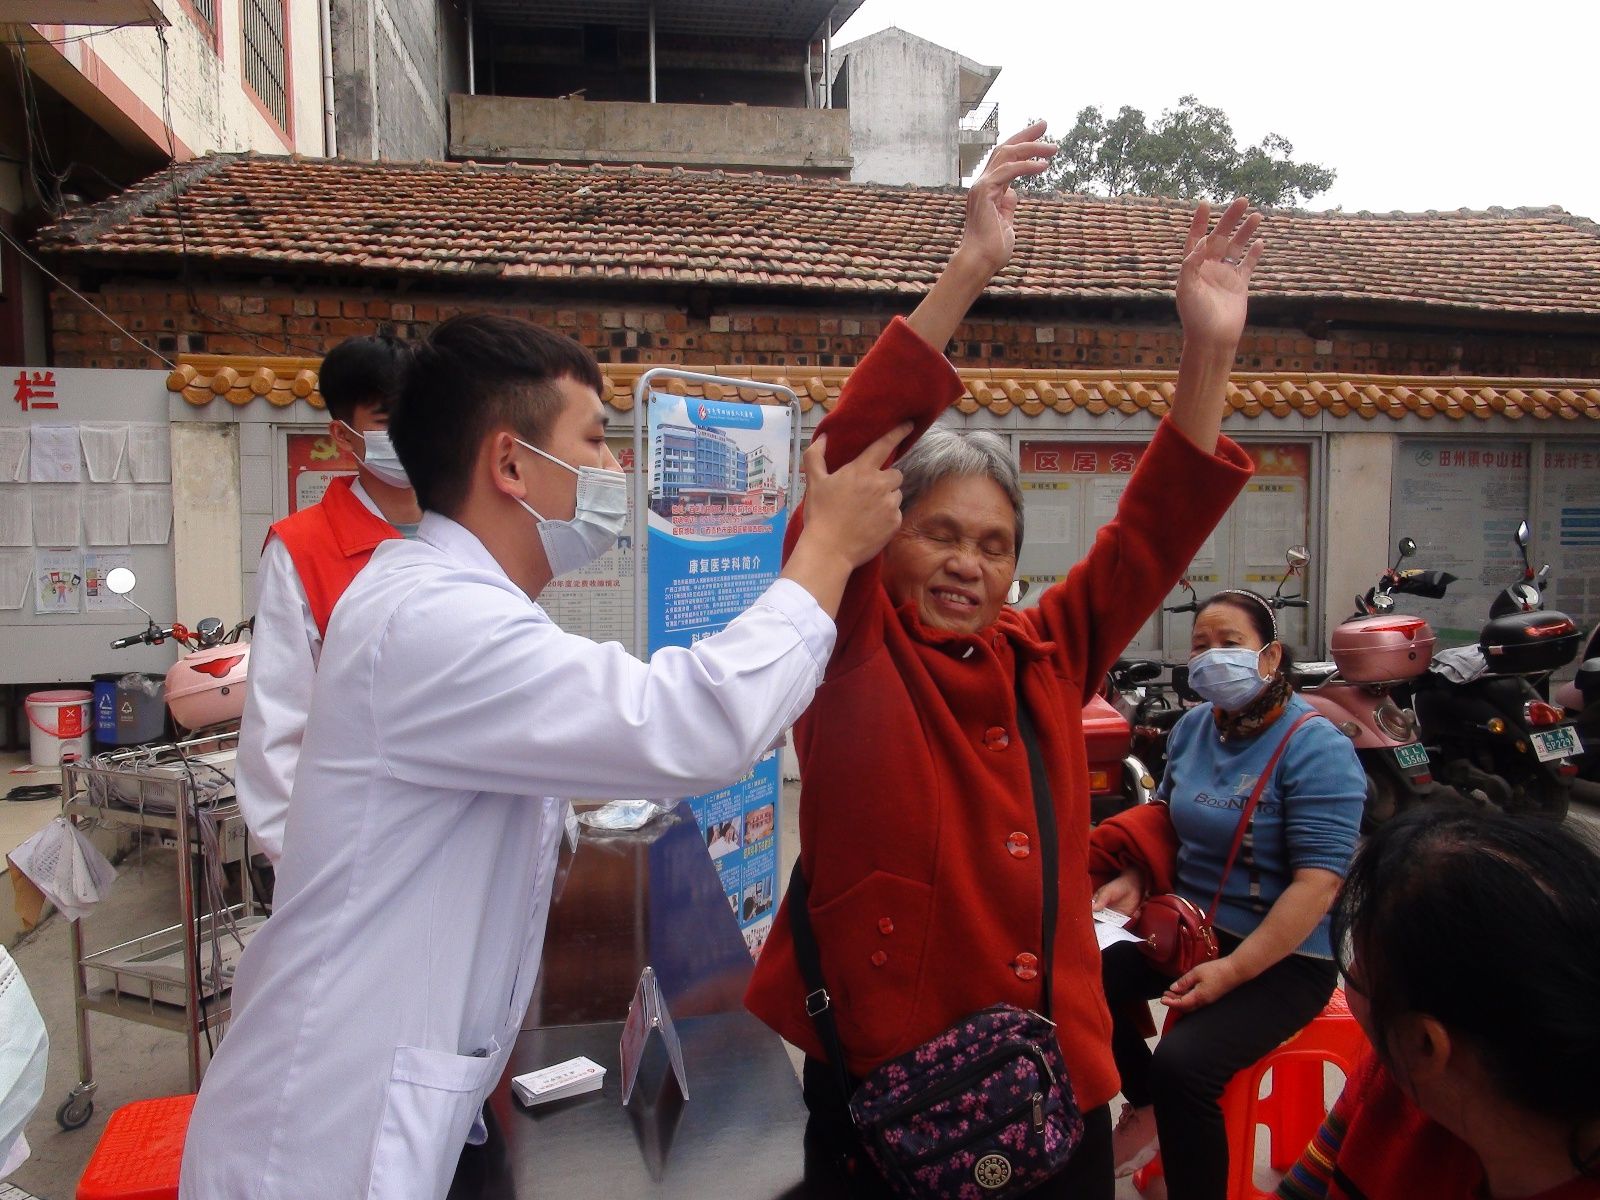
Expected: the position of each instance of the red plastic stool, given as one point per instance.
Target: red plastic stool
(1294, 1108)
(140, 1152)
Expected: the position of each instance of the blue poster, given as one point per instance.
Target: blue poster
(718, 491)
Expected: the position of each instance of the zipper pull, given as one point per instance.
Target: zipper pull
(1038, 1112)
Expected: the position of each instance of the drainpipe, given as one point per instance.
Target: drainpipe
(652, 51)
(330, 136)
(472, 56)
(827, 65)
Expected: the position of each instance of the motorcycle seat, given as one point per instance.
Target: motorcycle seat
(1310, 673)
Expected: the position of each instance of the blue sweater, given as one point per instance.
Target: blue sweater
(1308, 816)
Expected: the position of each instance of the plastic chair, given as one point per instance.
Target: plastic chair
(1292, 1111)
(140, 1152)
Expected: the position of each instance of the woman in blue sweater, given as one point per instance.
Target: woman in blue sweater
(1275, 969)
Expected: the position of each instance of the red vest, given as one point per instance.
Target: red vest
(329, 542)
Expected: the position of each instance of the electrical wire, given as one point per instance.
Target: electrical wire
(88, 303)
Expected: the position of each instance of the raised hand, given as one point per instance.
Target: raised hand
(989, 235)
(1214, 281)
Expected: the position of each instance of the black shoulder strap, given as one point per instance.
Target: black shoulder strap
(1045, 815)
(819, 1005)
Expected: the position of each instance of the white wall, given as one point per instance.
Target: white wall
(210, 107)
(1360, 483)
(904, 96)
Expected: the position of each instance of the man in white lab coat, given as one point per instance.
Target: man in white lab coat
(377, 1007)
(308, 561)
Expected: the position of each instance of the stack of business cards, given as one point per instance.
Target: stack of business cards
(570, 1078)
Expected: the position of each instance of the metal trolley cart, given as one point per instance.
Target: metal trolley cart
(176, 978)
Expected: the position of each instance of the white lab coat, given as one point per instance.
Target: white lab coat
(377, 1007)
(284, 648)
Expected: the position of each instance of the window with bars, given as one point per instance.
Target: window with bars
(206, 10)
(266, 66)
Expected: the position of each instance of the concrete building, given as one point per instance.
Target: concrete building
(739, 85)
(916, 110)
(89, 109)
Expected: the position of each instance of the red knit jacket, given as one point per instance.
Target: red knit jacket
(915, 777)
(329, 543)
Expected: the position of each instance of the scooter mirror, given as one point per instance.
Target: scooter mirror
(1298, 556)
(1524, 535)
(1407, 547)
(1019, 589)
(1382, 603)
(120, 580)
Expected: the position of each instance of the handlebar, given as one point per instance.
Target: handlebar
(1191, 607)
(155, 635)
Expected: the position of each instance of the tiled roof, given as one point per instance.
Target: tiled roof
(281, 381)
(656, 226)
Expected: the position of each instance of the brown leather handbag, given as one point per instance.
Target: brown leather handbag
(1175, 935)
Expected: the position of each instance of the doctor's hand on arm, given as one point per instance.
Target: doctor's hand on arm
(987, 237)
(1213, 288)
(850, 514)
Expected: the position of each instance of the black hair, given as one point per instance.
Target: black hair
(474, 375)
(1489, 924)
(1262, 619)
(362, 370)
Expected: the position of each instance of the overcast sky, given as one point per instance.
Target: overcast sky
(1416, 104)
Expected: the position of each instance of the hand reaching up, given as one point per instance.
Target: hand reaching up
(1214, 281)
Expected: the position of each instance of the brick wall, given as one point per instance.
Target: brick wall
(280, 321)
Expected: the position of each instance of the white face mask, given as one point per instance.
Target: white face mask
(378, 456)
(600, 513)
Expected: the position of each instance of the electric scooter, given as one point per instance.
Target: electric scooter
(205, 687)
(1376, 652)
(1492, 729)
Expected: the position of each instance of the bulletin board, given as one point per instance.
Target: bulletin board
(1071, 488)
(85, 486)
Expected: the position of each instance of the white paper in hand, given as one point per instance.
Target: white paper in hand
(1108, 927)
(64, 864)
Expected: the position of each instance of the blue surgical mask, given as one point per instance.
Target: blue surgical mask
(601, 510)
(1228, 676)
(378, 456)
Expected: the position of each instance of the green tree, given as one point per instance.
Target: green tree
(1190, 153)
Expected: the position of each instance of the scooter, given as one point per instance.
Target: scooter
(205, 688)
(1482, 710)
(1376, 652)
(1581, 699)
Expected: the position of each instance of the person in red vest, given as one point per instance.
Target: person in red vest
(308, 561)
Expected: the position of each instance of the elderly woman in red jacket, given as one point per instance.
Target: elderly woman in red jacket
(918, 835)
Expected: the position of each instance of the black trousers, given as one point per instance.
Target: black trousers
(837, 1166)
(1193, 1062)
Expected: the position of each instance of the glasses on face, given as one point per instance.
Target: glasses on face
(995, 550)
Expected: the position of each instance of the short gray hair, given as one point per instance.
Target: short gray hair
(944, 452)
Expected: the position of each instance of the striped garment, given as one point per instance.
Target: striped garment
(1377, 1145)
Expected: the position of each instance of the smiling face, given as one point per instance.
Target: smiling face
(955, 554)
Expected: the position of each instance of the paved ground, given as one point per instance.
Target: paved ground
(134, 1061)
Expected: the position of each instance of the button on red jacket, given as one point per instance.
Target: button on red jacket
(909, 802)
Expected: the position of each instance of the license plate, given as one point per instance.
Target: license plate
(1561, 742)
(1414, 755)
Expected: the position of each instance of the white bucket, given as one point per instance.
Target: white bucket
(59, 723)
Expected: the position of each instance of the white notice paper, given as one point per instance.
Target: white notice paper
(1108, 927)
(57, 516)
(96, 596)
(13, 452)
(151, 516)
(105, 514)
(150, 453)
(103, 447)
(16, 569)
(55, 457)
(16, 516)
